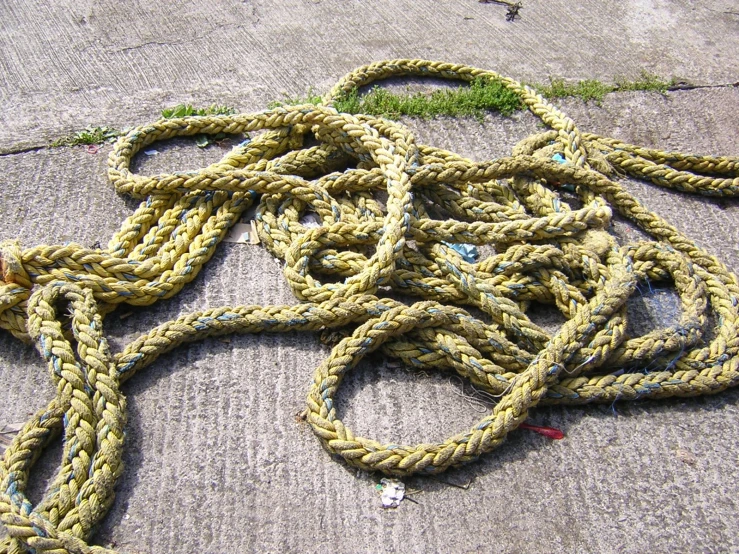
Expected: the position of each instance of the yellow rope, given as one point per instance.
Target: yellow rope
(390, 209)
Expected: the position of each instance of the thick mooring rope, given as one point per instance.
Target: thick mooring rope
(390, 209)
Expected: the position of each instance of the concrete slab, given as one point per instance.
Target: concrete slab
(70, 64)
(216, 460)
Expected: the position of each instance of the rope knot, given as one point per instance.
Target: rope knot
(15, 288)
(11, 264)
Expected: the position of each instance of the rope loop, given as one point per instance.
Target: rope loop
(523, 392)
(88, 409)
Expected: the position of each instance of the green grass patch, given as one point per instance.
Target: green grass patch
(311, 97)
(473, 101)
(187, 110)
(592, 90)
(647, 82)
(90, 135)
(480, 96)
(100, 135)
(586, 90)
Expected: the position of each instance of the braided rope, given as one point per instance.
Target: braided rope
(389, 211)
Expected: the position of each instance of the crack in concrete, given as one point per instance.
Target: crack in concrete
(176, 42)
(149, 43)
(12, 151)
(689, 86)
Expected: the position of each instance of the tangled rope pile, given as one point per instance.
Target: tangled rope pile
(389, 211)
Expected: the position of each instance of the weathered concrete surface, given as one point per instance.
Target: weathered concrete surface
(67, 64)
(216, 461)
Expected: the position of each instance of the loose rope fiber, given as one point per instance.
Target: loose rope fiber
(389, 211)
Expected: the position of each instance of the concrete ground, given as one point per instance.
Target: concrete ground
(215, 459)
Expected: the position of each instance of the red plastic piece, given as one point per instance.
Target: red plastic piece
(550, 432)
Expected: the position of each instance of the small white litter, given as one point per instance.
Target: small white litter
(243, 233)
(393, 492)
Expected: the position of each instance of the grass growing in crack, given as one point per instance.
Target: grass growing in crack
(100, 135)
(90, 135)
(647, 82)
(586, 90)
(482, 95)
(310, 98)
(475, 100)
(187, 110)
(595, 90)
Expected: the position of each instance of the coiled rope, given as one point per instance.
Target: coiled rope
(389, 211)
